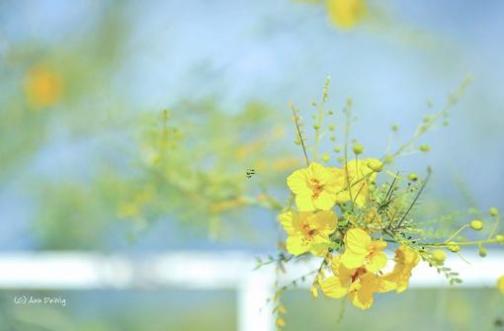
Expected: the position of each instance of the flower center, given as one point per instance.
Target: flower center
(359, 272)
(316, 187)
(308, 232)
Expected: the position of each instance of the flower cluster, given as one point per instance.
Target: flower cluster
(321, 194)
(352, 212)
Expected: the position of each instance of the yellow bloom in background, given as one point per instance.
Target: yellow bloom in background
(358, 283)
(362, 251)
(308, 231)
(500, 284)
(315, 187)
(406, 259)
(346, 13)
(357, 178)
(42, 87)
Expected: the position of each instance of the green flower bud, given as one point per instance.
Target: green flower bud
(476, 225)
(388, 159)
(424, 148)
(438, 256)
(453, 247)
(483, 252)
(413, 177)
(358, 148)
(375, 165)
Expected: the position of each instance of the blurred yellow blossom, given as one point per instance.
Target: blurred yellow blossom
(346, 13)
(225, 205)
(308, 231)
(362, 251)
(42, 86)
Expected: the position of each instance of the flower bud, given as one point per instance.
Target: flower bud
(483, 252)
(413, 177)
(424, 148)
(500, 238)
(493, 212)
(375, 165)
(438, 256)
(358, 148)
(453, 247)
(388, 159)
(476, 225)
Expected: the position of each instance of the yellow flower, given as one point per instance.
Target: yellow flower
(500, 284)
(346, 13)
(315, 187)
(358, 283)
(357, 177)
(308, 231)
(42, 87)
(362, 251)
(406, 259)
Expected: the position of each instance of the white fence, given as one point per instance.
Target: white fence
(204, 271)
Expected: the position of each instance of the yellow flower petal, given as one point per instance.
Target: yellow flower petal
(357, 242)
(325, 201)
(377, 262)
(406, 259)
(362, 299)
(285, 220)
(304, 202)
(297, 181)
(332, 287)
(296, 245)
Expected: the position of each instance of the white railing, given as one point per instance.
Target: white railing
(204, 271)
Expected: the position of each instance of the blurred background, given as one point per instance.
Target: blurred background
(129, 127)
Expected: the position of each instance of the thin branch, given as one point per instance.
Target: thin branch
(300, 136)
